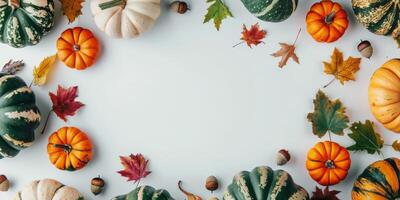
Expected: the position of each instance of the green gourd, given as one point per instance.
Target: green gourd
(25, 22)
(145, 193)
(263, 183)
(19, 115)
(271, 10)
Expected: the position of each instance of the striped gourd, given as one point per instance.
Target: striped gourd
(48, 189)
(380, 180)
(24, 22)
(263, 183)
(145, 193)
(380, 17)
(19, 115)
(271, 10)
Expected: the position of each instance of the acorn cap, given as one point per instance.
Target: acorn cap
(98, 182)
(363, 44)
(282, 157)
(365, 49)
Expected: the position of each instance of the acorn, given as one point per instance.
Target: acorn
(365, 49)
(282, 157)
(97, 185)
(4, 183)
(211, 183)
(180, 7)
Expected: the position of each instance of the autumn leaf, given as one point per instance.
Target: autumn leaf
(326, 194)
(12, 67)
(396, 145)
(342, 70)
(41, 72)
(135, 167)
(286, 52)
(189, 196)
(71, 9)
(254, 36)
(365, 138)
(217, 11)
(328, 116)
(64, 103)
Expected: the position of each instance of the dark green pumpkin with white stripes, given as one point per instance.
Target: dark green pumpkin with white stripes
(271, 10)
(263, 183)
(19, 115)
(145, 193)
(24, 22)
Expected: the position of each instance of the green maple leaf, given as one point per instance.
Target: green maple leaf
(328, 116)
(217, 11)
(365, 137)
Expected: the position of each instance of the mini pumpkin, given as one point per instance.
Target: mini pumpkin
(384, 95)
(69, 149)
(48, 189)
(328, 163)
(78, 48)
(326, 21)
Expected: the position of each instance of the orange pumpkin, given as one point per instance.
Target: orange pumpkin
(77, 48)
(69, 149)
(326, 21)
(328, 163)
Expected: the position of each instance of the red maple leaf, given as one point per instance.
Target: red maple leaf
(64, 103)
(254, 36)
(325, 195)
(135, 167)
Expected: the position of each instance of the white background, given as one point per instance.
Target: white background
(195, 106)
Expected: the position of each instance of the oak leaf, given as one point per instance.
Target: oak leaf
(253, 36)
(71, 9)
(217, 11)
(12, 67)
(325, 194)
(64, 103)
(365, 138)
(189, 196)
(135, 167)
(287, 51)
(41, 72)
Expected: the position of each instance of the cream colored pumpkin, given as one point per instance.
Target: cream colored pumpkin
(48, 189)
(125, 18)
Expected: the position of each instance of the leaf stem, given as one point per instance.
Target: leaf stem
(137, 184)
(297, 37)
(30, 84)
(46, 122)
(237, 44)
(330, 82)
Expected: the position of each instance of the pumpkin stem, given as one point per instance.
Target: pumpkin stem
(329, 18)
(46, 123)
(14, 3)
(76, 47)
(329, 164)
(66, 147)
(113, 3)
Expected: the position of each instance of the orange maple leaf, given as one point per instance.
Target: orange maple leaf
(252, 36)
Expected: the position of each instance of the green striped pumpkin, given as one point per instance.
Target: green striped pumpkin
(380, 17)
(24, 22)
(263, 183)
(19, 115)
(271, 10)
(145, 193)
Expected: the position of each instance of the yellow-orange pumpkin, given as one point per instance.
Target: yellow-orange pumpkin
(69, 149)
(384, 95)
(328, 163)
(326, 21)
(77, 48)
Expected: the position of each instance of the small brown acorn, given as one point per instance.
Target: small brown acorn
(365, 48)
(97, 185)
(282, 157)
(180, 7)
(4, 183)
(211, 183)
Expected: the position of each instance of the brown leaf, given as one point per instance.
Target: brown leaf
(12, 67)
(324, 195)
(71, 8)
(287, 51)
(189, 196)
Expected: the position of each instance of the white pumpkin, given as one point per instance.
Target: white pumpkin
(125, 18)
(48, 189)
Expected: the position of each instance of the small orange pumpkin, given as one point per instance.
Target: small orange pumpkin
(77, 48)
(328, 163)
(326, 21)
(69, 149)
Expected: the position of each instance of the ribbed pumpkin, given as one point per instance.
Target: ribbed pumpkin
(328, 163)
(69, 149)
(263, 183)
(19, 115)
(379, 17)
(145, 193)
(48, 189)
(384, 95)
(271, 10)
(326, 21)
(379, 181)
(78, 48)
(25, 22)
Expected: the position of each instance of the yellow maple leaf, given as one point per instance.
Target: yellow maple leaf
(396, 145)
(41, 72)
(342, 70)
(71, 8)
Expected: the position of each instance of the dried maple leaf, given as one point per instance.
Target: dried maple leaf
(189, 196)
(64, 103)
(41, 72)
(342, 70)
(135, 167)
(12, 67)
(71, 8)
(327, 194)
(286, 52)
(254, 36)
